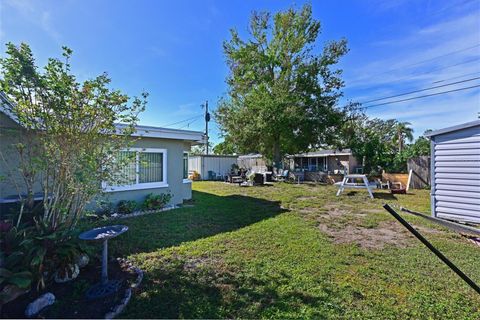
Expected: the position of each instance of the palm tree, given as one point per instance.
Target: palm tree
(402, 132)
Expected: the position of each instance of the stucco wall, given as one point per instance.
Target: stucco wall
(10, 178)
(175, 150)
(176, 186)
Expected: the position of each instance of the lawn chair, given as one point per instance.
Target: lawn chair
(383, 185)
(283, 176)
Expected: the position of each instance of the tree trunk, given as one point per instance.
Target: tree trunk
(276, 154)
(400, 142)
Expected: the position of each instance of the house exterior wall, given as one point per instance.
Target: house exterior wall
(456, 175)
(177, 187)
(10, 177)
(353, 164)
(327, 163)
(180, 189)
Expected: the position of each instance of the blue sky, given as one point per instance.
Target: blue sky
(173, 50)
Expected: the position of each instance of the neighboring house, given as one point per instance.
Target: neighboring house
(455, 172)
(163, 167)
(211, 167)
(329, 161)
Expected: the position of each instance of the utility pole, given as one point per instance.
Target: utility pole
(207, 119)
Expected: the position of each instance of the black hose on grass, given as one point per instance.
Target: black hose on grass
(433, 249)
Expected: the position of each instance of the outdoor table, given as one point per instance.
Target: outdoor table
(105, 287)
(345, 184)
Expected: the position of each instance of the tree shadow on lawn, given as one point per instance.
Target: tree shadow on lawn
(176, 289)
(376, 195)
(210, 215)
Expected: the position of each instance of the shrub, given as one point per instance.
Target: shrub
(105, 208)
(156, 201)
(126, 206)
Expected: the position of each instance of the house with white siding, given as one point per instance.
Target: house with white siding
(455, 172)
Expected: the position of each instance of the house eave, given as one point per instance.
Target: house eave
(195, 137)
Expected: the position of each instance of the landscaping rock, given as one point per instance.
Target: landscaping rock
(71, 273)
(83, 260)
(36, 306)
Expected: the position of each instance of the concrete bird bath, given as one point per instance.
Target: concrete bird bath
(105, 287)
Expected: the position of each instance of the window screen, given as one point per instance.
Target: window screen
(150, 167)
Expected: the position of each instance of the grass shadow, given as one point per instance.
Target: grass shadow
(384, 196)
(212, 291)
(211, 215)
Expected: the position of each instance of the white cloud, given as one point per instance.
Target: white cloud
(424, 44)
(29, 10)
(456, 38)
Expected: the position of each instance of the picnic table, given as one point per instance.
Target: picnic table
(345, 184)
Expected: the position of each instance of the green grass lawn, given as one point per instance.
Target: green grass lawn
(290, 251)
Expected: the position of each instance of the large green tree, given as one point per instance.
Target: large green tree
(371, 141)
(282, 94)
(226, 147)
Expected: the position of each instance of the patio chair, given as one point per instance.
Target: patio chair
(383, 185)
(283, 176)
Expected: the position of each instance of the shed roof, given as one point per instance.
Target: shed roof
(453, 128)
(214, 156)
(322, 153)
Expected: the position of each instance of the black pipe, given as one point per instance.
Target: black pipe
(433, 249)
(460, 228)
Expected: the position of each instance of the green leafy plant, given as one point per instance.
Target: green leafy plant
(126, 206)
(48, 250)
(106, 208)
(156, 201)
(15, 277)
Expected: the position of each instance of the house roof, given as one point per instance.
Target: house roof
(250, 155)
(165, 133)
(196, 137)
(214, 156)
(322, 153)
(453, 128)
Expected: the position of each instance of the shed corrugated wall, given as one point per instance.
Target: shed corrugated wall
(221, 165)
(456, 170)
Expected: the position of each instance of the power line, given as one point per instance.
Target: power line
(188, 124)
(409, 77)
(460, 76)
(428, 60)
(420, 90)
(174, 123)
(431, 59)
(424, 96)
(450, 66)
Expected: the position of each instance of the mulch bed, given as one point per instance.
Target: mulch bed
(70, 301)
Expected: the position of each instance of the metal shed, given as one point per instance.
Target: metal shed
(455, 172)
(218, 164)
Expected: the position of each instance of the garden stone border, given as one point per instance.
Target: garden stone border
(116, 310)
(141, 213)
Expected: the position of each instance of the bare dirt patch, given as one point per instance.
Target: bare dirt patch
(387, 233)
(344, 226)
(305, 198)
(199, 263)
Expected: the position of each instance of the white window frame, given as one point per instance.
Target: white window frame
(146, 185)
(186, 180)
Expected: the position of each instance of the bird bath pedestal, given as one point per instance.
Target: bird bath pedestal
(105, 287)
